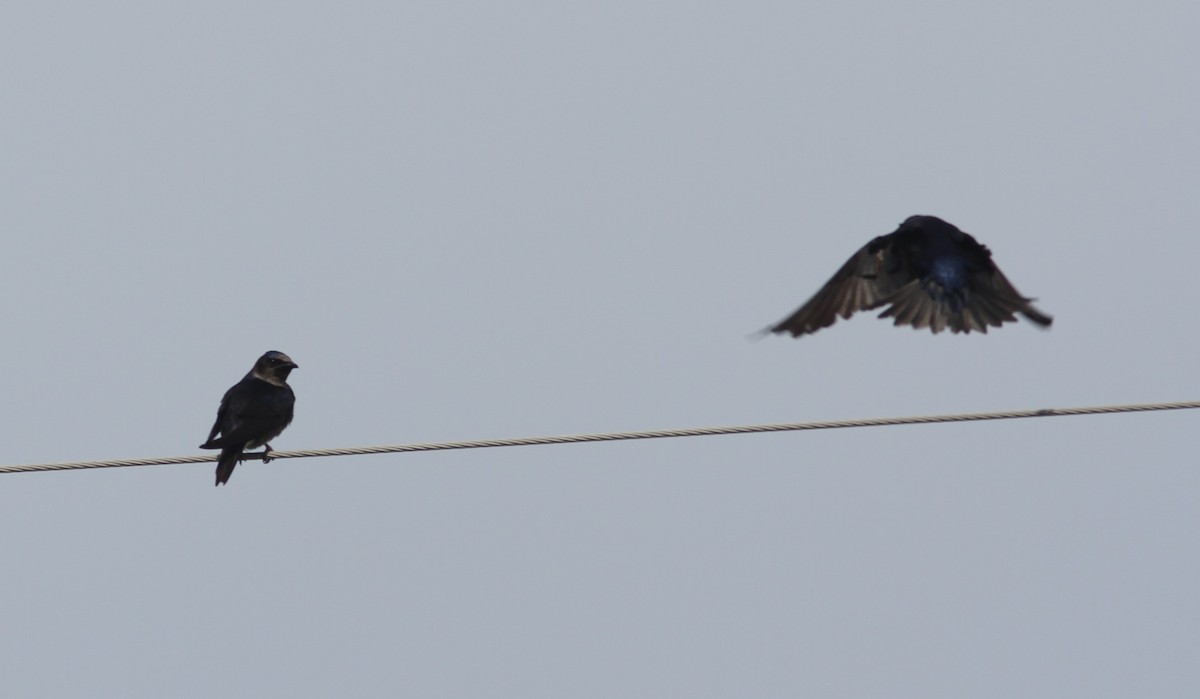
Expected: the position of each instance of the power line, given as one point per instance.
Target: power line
(622, 436)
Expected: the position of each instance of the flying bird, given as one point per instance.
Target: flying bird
(253, 412)
(929, 274)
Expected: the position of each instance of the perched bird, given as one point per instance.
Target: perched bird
(253, 412)
(929, 274)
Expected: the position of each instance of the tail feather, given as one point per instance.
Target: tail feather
(930, 306)
(226, 464)
(993, 310)
(912, 305)
(976, 318)
(937, 323)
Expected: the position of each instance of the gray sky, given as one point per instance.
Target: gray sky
(468, 220)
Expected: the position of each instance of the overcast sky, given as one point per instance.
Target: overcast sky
(477, 219)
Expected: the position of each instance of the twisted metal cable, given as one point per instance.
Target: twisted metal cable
(620, 436)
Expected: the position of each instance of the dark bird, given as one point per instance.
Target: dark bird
(253, 412)
(929, 274)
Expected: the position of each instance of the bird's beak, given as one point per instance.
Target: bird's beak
(294, 365)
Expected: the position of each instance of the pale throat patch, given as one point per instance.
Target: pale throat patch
(269, 378)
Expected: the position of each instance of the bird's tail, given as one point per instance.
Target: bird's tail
(931, 306)
(915, 305)
(226, 463)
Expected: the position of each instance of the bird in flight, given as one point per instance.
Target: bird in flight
(929, 274)
(253, 412)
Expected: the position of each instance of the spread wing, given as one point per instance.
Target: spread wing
(867, 280)
(1000, 292)
(987, 299)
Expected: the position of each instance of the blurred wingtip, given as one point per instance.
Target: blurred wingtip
(758, 335)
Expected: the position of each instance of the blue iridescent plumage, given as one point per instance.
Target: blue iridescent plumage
(929, 274)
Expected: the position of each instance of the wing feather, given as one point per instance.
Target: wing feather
(867, 280)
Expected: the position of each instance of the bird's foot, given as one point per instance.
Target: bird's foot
(264, 455)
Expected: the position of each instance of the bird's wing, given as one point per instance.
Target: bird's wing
(993, 290)
(865, 281)
(222, 412)
(247, 412)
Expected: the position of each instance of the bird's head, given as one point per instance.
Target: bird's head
(274, 367)
(921, 221)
